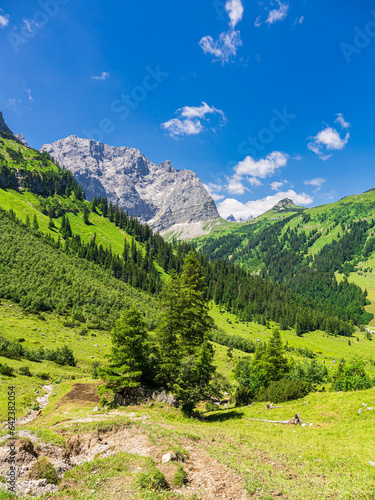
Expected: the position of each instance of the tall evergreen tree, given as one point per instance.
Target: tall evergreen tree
(195, 319)
(169, 330)
(86, 214)
(128, 352)
(35, 223)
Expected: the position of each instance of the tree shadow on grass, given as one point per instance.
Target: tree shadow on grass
(225, 415)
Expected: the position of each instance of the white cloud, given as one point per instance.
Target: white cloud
(254, 170)
(317, 182)
(341, 120)
(177, 127)
(235, 11)
(254, 181)
(29, 94)
(262, 168)
(189, 120)
(200, 111)
(274, 15)
(276, 186)
(103, 76)
(329, 139)
(235, 186)
(212, 188)
(299, 20)
(4, 20)
(225, 47)
(12, 104)
(29, 25)
(255, 208)
(279, 14)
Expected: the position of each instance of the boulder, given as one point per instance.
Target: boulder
(169, 457)
(164, 397)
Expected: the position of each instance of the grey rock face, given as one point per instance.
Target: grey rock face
(283, 204)
(157, 194)
(3, 126)
(21, 138)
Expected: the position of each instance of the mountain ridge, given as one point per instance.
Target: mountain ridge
(157, 194)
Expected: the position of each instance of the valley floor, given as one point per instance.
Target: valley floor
(106, 454)
(117, 454)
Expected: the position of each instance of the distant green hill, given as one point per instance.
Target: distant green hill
(319, 253)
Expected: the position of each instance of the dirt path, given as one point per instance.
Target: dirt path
(42, 401)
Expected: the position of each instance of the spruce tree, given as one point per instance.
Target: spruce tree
(86, 213)
(128, 352)
(35, 223)
(169, 330)
(184, 351)
(274, 361)
(195, 319)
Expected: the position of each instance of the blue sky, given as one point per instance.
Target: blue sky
(262, 100)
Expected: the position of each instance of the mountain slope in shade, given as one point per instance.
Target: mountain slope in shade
(3, 126)
(157, 194)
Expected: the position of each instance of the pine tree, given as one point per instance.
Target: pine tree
(274, 361)
(35, 223)
(169, 330)
(86, 213)
(128, 352)
(195, 319)
(185, 353)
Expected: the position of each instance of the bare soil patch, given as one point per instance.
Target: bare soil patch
(80, 394)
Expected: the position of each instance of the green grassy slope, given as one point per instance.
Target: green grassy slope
(331, 458)
(328, 223)
(25, 202)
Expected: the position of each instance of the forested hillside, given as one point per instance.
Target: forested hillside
(307, 252)
(44, 203)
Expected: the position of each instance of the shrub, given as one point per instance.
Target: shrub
(152, 479)
(251, 379)
(43, 375)
(284, 390)
(180, 477)
(43, 469)
(94, 370)
(311, 371)
(25, 370)
(6, 370)
(351, 377)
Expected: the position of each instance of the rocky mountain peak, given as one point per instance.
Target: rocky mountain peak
(3, 126)
(284, 204)
(157, 194)
(22, 139)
